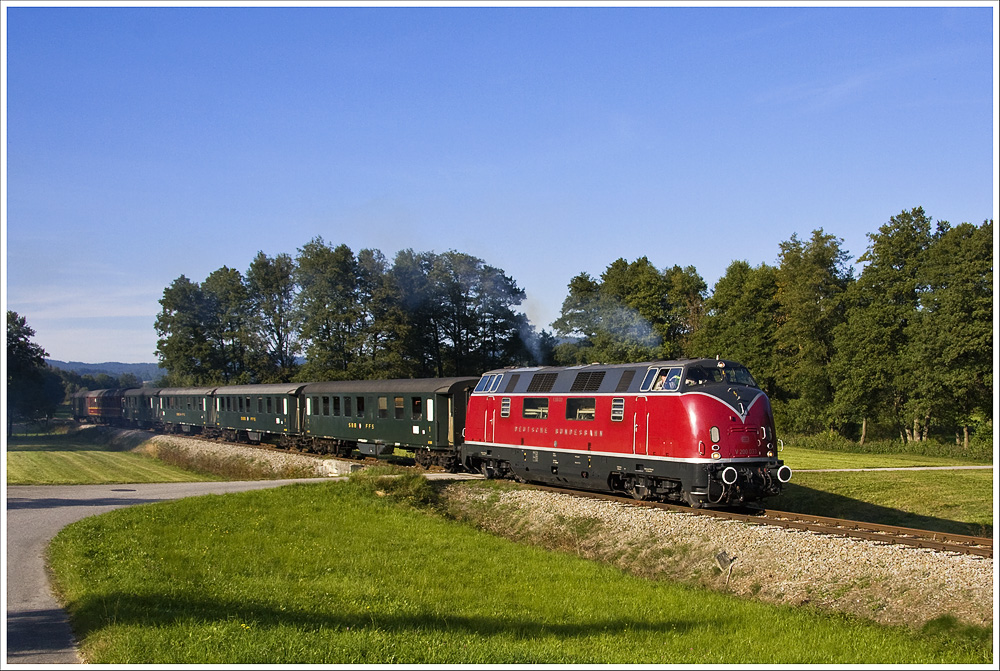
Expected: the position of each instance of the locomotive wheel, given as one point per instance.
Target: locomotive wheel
(637, 491)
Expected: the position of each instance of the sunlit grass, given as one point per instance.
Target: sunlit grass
(361, 573)
(82, 459)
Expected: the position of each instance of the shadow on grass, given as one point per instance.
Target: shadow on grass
(799, 499)
(154, 611)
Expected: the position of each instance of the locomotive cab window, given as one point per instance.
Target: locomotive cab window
(535, 408)
(485, 382)
(647, 381)
(581, 408)
(668, 379)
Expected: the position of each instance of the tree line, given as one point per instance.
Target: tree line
(903, 349)
(331, 314)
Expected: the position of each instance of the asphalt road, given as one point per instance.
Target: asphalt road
(38, 630)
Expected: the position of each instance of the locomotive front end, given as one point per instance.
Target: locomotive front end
(733, 425)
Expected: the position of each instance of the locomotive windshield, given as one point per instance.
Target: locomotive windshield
(699, 375)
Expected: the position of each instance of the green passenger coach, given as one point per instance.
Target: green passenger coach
(256, 412)
(376, 416)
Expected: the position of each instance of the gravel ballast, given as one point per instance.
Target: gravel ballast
(891, 584)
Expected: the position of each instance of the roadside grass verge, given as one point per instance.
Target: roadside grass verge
(85, 458)
(368, 572)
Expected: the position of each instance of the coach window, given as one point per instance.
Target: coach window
(326, 406)
(399, 407)
(383, 407)
(260, 404)
(241, 404)
(336, 406)
(535, 408)
(248, 405)
(581, 408)
(361, 406)
(416, 408)
(270, 405)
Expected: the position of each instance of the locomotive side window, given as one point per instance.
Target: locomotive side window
(535, 408)
(647, 381)
(484, 383)
(581, 408)
(617, 409)
(505, 407)
(668, 379)
(496, 383)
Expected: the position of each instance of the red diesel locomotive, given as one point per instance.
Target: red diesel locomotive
(699, 431)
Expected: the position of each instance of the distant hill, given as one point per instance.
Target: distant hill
(147, 372)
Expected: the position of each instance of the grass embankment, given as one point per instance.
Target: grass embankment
(359, 572)
(86, 458)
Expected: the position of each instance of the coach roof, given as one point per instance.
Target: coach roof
(434, 385)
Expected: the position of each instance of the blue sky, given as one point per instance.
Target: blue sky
(145, 143)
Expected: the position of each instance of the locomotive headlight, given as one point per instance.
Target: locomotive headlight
(770, 453)
(716, 455)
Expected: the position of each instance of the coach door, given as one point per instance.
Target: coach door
(640, 427)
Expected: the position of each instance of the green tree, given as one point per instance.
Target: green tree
(634, 313)
(811, 279)
(328, 308)
(227, 325)
(873, 373)
(33, 389)
(951, 334)
(183, 346)
(271, 291)
(740, 322)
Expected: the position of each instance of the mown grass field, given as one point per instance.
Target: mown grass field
(362, 572)
(953, 501)
(83, 458)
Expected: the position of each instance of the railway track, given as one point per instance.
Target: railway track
(882, 533)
